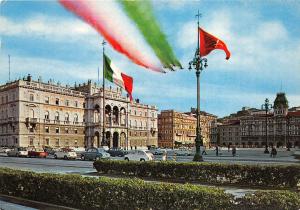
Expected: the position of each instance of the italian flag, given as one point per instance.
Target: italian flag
(114, 75)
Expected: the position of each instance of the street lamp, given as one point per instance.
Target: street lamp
(288, 133)
(198, 64)
(266, 106)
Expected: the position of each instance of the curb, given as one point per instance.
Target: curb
(33, 204)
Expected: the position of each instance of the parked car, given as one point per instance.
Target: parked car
(37, 152)
(117, 152)
(51, 150)
(157, 151)
(4, 149)
(139, 155)
(65, 153)
(95, 154)
(18, 152)
(78, 150)
(183, 152)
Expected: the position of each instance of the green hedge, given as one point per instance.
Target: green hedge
(104, 193)
(212, 173)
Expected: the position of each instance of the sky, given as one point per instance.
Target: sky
(43, 39)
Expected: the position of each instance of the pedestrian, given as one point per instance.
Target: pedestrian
(233, 151)
(273, 152)
(203, 150)
(217, 150)
(164, 156)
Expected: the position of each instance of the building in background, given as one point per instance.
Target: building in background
(279, 127)
(176, 129)
(33, 113)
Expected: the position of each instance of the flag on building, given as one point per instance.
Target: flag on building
(114, 75)
(209, 43)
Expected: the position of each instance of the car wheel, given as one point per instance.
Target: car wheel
(82, 157)
(17, 155)
(127, 159)
(142, 159)
(65, 157)
(55, 156)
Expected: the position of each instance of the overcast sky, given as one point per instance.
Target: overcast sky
(44, 39)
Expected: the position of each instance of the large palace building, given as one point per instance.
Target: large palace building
(257, 127)
(33, 113)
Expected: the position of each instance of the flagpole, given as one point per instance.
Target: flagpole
(198, 63)
(103, 87)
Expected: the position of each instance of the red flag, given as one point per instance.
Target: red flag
(209, 43)
(128, 83)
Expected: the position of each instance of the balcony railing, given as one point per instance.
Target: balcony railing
(30, 120)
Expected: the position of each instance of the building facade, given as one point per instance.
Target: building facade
(177, 129)
(279, 127)
(33, 113)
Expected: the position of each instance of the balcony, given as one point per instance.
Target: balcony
(57, 121)
(30, 121)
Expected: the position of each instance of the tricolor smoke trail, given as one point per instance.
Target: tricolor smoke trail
(141, 12)
(108, 18)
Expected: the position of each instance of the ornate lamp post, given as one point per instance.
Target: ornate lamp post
(198, 63)
(266, 106)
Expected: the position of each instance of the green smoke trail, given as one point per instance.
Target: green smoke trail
(142, 14)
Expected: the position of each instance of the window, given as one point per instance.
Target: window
(47, 100)
(31, 129)
(75, 142)
(47, 115)
(47, 129)
(75, 131)
(57, 101)
(75, 118)
(66, 130)
(67, 102)
(31, 141)
(56, 116)
(83, 105)
(56, 130)
(67, 142)
(47, 141)
(57, 142)
(76, 103)
(67, 117)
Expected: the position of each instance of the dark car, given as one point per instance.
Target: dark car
(95, 154)
(116, 152)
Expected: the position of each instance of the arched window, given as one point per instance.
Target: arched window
(47, 115)
(76, 118)
(67, 117)
(56, 115)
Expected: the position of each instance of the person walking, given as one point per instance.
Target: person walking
(233, 151)
(273, 152)
(217, 150)
(164, 156)
(203, 150)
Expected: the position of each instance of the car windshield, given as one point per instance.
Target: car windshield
(22, 149)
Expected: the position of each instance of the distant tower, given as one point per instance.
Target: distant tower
(281, 105)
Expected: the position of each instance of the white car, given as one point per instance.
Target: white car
(183, 152)
(158, 151)
(65, 154)
(18, 152)
(4, 149)
(139, 155)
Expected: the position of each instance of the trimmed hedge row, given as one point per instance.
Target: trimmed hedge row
(213, 173)
(104, 193)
